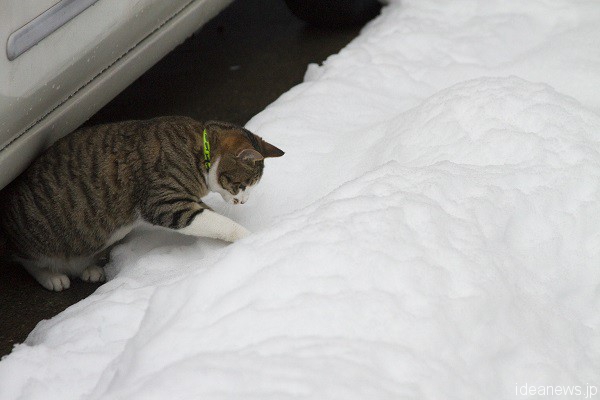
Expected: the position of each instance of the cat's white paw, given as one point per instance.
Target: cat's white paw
(56, 282)
(93, 274)
(210, 224)
(238, 233)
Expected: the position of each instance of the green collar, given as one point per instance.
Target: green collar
(206, 150)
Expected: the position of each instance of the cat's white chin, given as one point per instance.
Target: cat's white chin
(240, 198)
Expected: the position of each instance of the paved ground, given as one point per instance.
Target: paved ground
(230, 70)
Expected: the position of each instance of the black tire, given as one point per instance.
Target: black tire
(335, 13)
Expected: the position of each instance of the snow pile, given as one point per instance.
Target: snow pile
(419, 239)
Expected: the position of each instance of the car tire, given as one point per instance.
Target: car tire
(335, 13)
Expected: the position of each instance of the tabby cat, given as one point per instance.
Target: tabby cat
(92, 187)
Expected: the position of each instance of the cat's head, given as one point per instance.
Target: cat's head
(237, 161)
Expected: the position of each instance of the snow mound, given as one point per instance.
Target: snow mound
(463, 259)
(494, 121)
(432, 232)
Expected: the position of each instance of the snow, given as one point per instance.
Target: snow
(433, 231)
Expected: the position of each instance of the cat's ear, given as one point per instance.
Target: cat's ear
(249, 156)
(268, 150)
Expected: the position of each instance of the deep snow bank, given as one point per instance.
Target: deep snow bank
(419, 239)
(457, 272)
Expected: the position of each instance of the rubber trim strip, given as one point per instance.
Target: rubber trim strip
(43, 25)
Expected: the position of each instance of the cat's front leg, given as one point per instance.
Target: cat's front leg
(192, 218)
(210, 224)
(51, 280)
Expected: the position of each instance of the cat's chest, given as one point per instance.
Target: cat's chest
(121, 232)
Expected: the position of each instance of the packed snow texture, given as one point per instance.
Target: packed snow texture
(433, 232)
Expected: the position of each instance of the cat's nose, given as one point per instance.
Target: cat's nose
(235, 201)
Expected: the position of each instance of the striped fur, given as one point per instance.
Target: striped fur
(100, 180)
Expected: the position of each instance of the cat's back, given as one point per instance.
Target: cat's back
(91, 157)
(112, 153)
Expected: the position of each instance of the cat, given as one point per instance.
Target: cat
(90, 188)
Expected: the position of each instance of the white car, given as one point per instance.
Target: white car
(65, 59)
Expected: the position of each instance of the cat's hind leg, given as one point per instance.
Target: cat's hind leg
(93, 274)
(92, 270)
(53, 273)
(51, 280)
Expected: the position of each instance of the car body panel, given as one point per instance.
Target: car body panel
(56, 85)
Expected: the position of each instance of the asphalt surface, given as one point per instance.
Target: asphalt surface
(230, 70)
